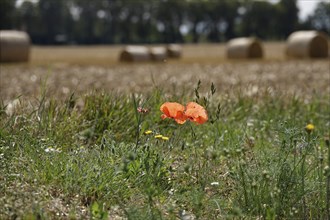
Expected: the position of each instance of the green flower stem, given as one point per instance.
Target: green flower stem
(328, 184)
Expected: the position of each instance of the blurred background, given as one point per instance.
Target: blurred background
(69, 22)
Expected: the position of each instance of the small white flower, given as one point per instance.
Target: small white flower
(250, 123)
(51, 149)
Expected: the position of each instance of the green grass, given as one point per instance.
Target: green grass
(253, 159)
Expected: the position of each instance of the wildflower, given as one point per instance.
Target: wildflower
(196, 113)
(173, 110)
(159, 136)
(51, 149)
(148, 132)
(142, 110)
(165, 138)
(180, 114)
(309, 128)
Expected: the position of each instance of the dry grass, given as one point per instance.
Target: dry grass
(81, 68)
(109, 55)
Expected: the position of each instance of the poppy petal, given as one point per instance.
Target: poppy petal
(173, 110)
(196, 113)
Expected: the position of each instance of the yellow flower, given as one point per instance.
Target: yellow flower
(159, 136)
(165, 138)
(148, 132)
(309, 128)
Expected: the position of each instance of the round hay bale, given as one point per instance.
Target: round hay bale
(134, 54)
(307, 44)
(174, 51)
(158, 53)
(14, 46)
(244, 48)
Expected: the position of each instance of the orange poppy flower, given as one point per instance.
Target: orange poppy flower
(173, 110)
(196, 113)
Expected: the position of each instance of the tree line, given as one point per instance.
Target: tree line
(156, 21)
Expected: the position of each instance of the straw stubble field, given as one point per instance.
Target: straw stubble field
(80, 69)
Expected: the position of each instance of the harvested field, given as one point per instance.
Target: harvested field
(81, 69)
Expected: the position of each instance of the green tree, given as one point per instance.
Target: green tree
(30, 19)
(8, 14)
(145, 25)
(169, 18)
(196, 16)
(221, 18)
(320, 19)
(286, 18)
(86, 26)
(153, 21)
(54, 15)
(258, 19)
(136, 21)
(231, 14)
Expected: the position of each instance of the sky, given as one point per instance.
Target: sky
(306, 7)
